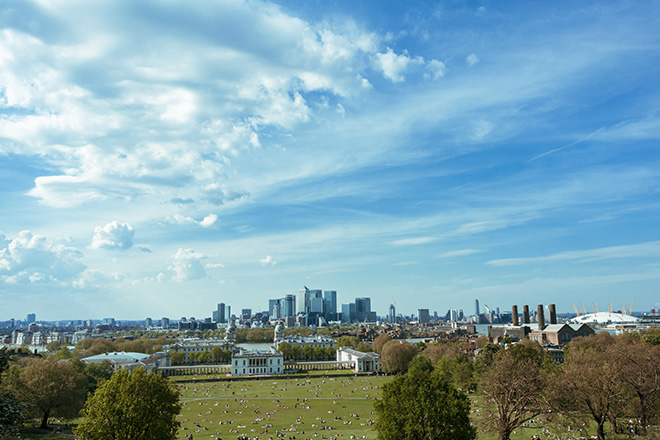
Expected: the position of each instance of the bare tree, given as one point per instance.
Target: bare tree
(515, 386)
(591, 385)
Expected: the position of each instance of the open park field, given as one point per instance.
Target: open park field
(305, 407)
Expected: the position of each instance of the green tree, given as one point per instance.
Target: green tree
(11, 410)
(363, 347)
(63, 354)
(423, 405)
(178, 357)
(133, 405)
(347, 341)
(380, 341)
(396, 356)
(51, 388)
(459, 369)
(53, 346)
(652, 336)
(97, 373)
(217, 354)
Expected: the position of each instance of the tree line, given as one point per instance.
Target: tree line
(605, 383)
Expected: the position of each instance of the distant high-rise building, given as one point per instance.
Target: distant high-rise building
(148, 323)
(391, 316)
(453, 315)
(477, 311)
(246, 314)
(220, 315)
(275, 309)
(165, 323)
(423, 316)
(348, 312)
(289, 305)
(31, 317)
(362, 309)
(330, 304)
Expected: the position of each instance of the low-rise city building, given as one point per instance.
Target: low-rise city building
(256, 362)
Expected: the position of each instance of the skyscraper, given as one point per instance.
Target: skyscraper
(423, 315)
(348, 312)
(391, 317)
(289, 305)
(362, 308)
(219, 314)
(330, 304)
(476, 307)
(275, 309)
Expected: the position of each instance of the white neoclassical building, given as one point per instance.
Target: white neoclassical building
(247, 363)
(363, 362)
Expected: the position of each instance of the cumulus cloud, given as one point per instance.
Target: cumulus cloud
(113, 235)
(267, 261)
(31, 258)
(393, 66)
(471, 59)
(219, 194)
(178, 219)
(124, 127)
(186, 265)
(437, 69)
(95, 278)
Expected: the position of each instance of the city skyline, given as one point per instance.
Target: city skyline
(162, 158)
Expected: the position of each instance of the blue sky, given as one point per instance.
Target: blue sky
(159, 157)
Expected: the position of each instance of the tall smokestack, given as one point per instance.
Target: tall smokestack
(553, 314)
(514, 313)
(526, 314)
(541, 318)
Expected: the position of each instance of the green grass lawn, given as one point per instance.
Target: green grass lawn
(314, 407)
(307, 407)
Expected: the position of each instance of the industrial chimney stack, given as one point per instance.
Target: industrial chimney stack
(514, 313)
(526, 314)
(553, 314)
(541, 318)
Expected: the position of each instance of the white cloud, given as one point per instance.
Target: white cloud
(472, 59)
(92, 278)
(394, 66)
(209, 220)
(413, 241)
(178, 219)
(173, 112)
(458, 253)
(267, 261)
(214, 265)
(30, 258)
(186, 265)
(113, 235)
(436, 68)
(640, 250)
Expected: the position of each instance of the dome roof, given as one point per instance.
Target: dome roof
(604, 318)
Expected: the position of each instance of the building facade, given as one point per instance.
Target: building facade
(248, 363)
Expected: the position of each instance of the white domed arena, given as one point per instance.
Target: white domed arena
(604, 318)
